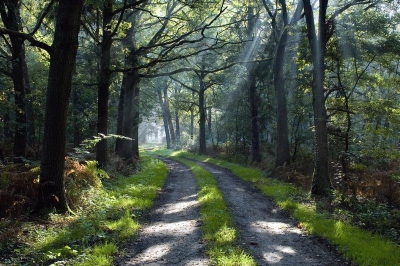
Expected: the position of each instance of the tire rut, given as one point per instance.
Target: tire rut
(267, 232)
(171, 235)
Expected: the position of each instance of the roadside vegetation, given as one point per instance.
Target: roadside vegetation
(314, 215)
(218, 228)
(107, 213)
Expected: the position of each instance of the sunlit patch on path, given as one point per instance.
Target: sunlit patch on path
(270, 235)
(172, 235)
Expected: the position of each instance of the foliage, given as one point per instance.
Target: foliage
(109, 216)
(361, 247)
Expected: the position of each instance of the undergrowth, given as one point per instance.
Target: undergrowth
(109, 216)
(361, 247)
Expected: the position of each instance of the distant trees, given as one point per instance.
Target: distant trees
(265, 82)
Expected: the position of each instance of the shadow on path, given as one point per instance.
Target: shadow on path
(171, 235)
(268, 233)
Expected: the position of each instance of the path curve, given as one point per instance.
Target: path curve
(268, 233)
(171, 235)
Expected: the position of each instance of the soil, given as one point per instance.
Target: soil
(172, 235)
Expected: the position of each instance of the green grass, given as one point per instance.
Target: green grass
(217, 227)
(359, 246)
(92, 236)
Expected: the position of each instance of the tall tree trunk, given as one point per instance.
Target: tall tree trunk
(282, 147)
(10, 14)
(177, 122)
(321, 184)
(169, 117)
(120, 117)
(209, 124)
(165, 119)
(136, 121)
(202, 122)
(62, 62)
(251, 49)
(29, 108)
(191, 129)
(104, 84)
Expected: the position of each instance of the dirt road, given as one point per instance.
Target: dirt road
(172, 235)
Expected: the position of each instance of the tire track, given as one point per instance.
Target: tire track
(171, 235)
(268, 233)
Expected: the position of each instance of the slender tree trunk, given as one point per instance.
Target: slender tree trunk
(191, 129)
(104, 85)
(282, 147)
(10, 14)
(136, 122)
(202, 122)
(29, 107)
(177, 122)
(120, 117)
(165, 120)
(321, 184)
(251, 50)
(62, 62)
(169, 117)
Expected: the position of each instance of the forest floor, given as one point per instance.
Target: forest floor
(172, 235)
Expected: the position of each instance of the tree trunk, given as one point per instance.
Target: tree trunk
(252, 88)
(136, 121)
(321, 184)
(62, 62)
(282, 147)
(165, 120)
(11, 18)
(177, 123)
(202, 122)
(169, 117)
(120, 117)
(104, 84)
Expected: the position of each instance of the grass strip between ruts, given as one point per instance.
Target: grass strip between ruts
(359, 246)
(217, 227)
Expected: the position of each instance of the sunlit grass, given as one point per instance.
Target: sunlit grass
(93, 235)
(361, 247)
(218, 229)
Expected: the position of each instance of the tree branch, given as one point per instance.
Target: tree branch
(40, 20)
(29, 38)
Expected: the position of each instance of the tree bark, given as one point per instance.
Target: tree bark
(11, 18)
(252, 88)
(120, 117)
(62, 62)
(321, 184)
(282, 147)
(104, 84)
(202, 121)
(169, 117)
(165, 120)
(177, 122)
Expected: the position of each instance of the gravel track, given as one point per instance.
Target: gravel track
(268, 233)
(171, 235)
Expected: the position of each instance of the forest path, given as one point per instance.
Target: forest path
(171, 234)
(268, 233)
